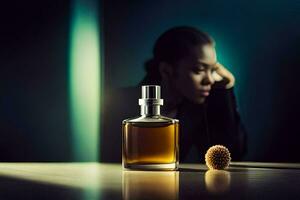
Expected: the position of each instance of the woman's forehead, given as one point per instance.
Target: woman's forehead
(203, 54)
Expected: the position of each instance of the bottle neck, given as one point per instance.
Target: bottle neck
(150, 110)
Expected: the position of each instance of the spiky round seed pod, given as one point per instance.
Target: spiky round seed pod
(217, 157)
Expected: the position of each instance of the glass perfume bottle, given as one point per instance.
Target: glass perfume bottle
(150, 141)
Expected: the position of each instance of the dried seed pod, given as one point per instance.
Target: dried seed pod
(217, 157)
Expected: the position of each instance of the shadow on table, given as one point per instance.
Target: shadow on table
(14, 188)
(187, 169)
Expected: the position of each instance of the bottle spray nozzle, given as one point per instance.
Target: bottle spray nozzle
(150, 95)
(150, 92)
(150, 102)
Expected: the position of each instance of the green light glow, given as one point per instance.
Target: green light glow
(85, 79)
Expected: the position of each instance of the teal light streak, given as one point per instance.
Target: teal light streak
(84, 77)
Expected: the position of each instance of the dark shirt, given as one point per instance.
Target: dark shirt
(217, 121)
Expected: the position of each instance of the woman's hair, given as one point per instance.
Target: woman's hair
(173, 45)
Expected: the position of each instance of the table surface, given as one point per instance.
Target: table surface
(242, 180)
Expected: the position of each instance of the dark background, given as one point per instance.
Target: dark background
(258, 41)
(34, 112)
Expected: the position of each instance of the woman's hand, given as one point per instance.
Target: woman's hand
(223, 78)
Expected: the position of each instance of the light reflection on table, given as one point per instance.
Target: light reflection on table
(217, 181)
(150, 185)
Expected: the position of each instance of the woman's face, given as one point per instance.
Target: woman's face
(193, 79)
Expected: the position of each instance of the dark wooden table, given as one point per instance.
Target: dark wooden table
(242, 180)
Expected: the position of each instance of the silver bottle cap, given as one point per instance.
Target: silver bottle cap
(150, 92)
(151, 95)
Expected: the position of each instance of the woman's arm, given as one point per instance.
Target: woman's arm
(223, 119)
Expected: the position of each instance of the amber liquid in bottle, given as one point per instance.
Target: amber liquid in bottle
(150, 142)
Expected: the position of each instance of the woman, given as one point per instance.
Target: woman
(197, 90)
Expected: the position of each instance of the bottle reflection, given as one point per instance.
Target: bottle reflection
(150, 185)
(217, 181)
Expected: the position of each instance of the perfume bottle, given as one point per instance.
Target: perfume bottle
(150, 141)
